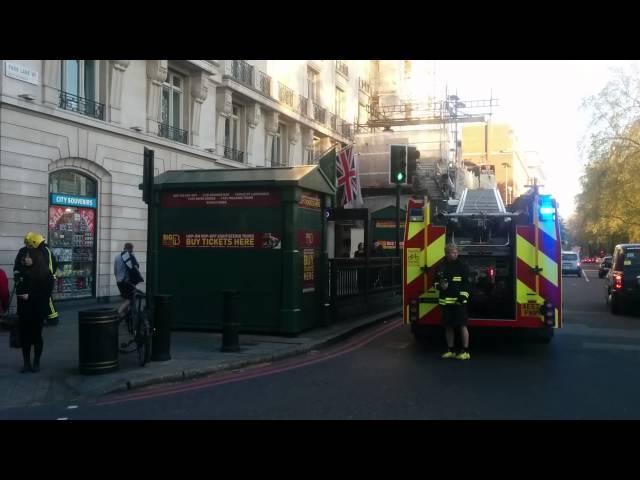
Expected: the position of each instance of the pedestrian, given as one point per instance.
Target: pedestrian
(378, 250)
(4, 292)
(125, 269)
(452, 280)
(360, 252)
(33, 292)
(35, 240)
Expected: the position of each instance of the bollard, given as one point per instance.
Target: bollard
(230, 322)
(162, 320)
(98, 340)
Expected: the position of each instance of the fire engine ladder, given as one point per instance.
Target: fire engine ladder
(481, 202)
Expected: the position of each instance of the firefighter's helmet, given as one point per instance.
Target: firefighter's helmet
(33, 240)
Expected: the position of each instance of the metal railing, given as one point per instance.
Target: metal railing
(354, 276)
(173, 133)
(346, 130)
(342, 67)
(264, 83)
(364, 86)
(285, 94)
(332, 121)
(319, 113)
(74, 103)
(232, 154)
(242, 72)
(303, 104)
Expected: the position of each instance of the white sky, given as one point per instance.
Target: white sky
(541, 100)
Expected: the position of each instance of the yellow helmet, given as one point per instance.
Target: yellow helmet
(33, 240)
(27, 237)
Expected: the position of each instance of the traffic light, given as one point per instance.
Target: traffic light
(398, 164)
(413, 154)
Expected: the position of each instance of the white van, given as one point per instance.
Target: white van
(571, 263)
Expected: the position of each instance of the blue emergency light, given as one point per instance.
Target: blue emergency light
(547, 209)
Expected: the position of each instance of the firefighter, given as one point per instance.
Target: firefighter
(35, 240)
(452, 280)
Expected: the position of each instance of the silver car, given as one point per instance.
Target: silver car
(571, 264)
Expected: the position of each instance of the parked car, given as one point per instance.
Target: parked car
(605, 265)
(623, 279)
(571, 264)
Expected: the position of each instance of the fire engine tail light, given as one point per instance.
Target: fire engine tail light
(548, 310)
(618, 278)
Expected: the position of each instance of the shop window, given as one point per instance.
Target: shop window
(72, 233)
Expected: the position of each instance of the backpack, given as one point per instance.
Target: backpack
(133, 275)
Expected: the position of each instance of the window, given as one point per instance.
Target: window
(312, 85)
(79, 87)
(79, 78)
(277, 150)
(171, 108)
(233, 134)
(339, 102)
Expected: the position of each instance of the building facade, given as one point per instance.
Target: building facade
(72, 134)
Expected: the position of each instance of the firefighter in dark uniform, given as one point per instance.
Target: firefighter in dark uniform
(35, 240)
(452, 280)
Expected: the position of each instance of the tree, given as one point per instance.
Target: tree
(608, 207)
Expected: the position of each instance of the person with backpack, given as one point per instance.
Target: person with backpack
(126, 271)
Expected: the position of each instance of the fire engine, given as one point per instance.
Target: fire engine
(513, 254)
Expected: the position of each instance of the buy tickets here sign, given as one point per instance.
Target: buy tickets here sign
(221, 240)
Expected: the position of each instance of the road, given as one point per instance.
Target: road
(587, 372)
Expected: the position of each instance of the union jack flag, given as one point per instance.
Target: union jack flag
(347, 175)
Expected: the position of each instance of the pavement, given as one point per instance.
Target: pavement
(193, 355)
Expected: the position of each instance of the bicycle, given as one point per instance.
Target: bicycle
(139, 326)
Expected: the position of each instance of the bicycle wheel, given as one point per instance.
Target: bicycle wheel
(143, 339)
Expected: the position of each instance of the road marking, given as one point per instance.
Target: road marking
(63, 418)
(584, 275)
(611, 346)
(71, 407)
(354, 344)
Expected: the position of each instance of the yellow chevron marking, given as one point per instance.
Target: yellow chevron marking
(414, 229)
(435, 251)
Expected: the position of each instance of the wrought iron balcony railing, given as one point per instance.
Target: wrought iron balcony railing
(264, 83)
(242, 72)
(303, 105)
(319, 113)
(173, 133)
(233, 154)
(364, 86)
(74, 103)
(285, 94)
(342, 67)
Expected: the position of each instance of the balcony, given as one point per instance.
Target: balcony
(303, 104)
(264, 83)
(319, 113)
(332, 121)
(232, 154)
(242, 72)
(285, 95)
(73, 103)
(364, 86)
(172, 133)
(345, 129)
(342, 67)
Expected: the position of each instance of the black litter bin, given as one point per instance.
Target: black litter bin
(98, 339)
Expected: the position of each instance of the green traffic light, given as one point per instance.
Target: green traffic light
(399, 176)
